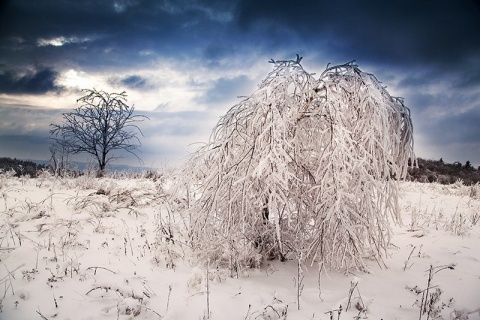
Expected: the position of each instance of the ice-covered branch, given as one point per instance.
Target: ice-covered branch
(302, 165)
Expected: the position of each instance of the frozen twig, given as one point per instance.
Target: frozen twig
(103, 268)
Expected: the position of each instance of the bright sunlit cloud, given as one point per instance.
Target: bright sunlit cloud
(60, 41)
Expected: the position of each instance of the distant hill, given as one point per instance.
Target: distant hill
(30, 167)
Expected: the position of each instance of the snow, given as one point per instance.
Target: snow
(91, 248)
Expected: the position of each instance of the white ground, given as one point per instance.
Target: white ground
(67, 252)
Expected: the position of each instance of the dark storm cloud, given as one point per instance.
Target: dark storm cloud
(107, 32)
(42, 19)
(468, 77)
(419, 79)
(132, 82)
(38, 81)
(441, 32)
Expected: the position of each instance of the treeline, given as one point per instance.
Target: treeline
(444, 173)
(426, 170)
(21, 167)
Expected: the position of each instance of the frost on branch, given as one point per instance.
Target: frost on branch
(304, 167)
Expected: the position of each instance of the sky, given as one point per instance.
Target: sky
(185, 63)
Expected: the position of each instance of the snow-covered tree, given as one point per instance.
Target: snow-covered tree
(303, 168)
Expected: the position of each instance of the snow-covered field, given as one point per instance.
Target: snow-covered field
(90, 248)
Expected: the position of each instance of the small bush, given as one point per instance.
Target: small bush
(443, 173)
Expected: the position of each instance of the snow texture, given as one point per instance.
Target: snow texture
(62, 260)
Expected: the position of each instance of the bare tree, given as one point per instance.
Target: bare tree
(305, 166)
(104, 123)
